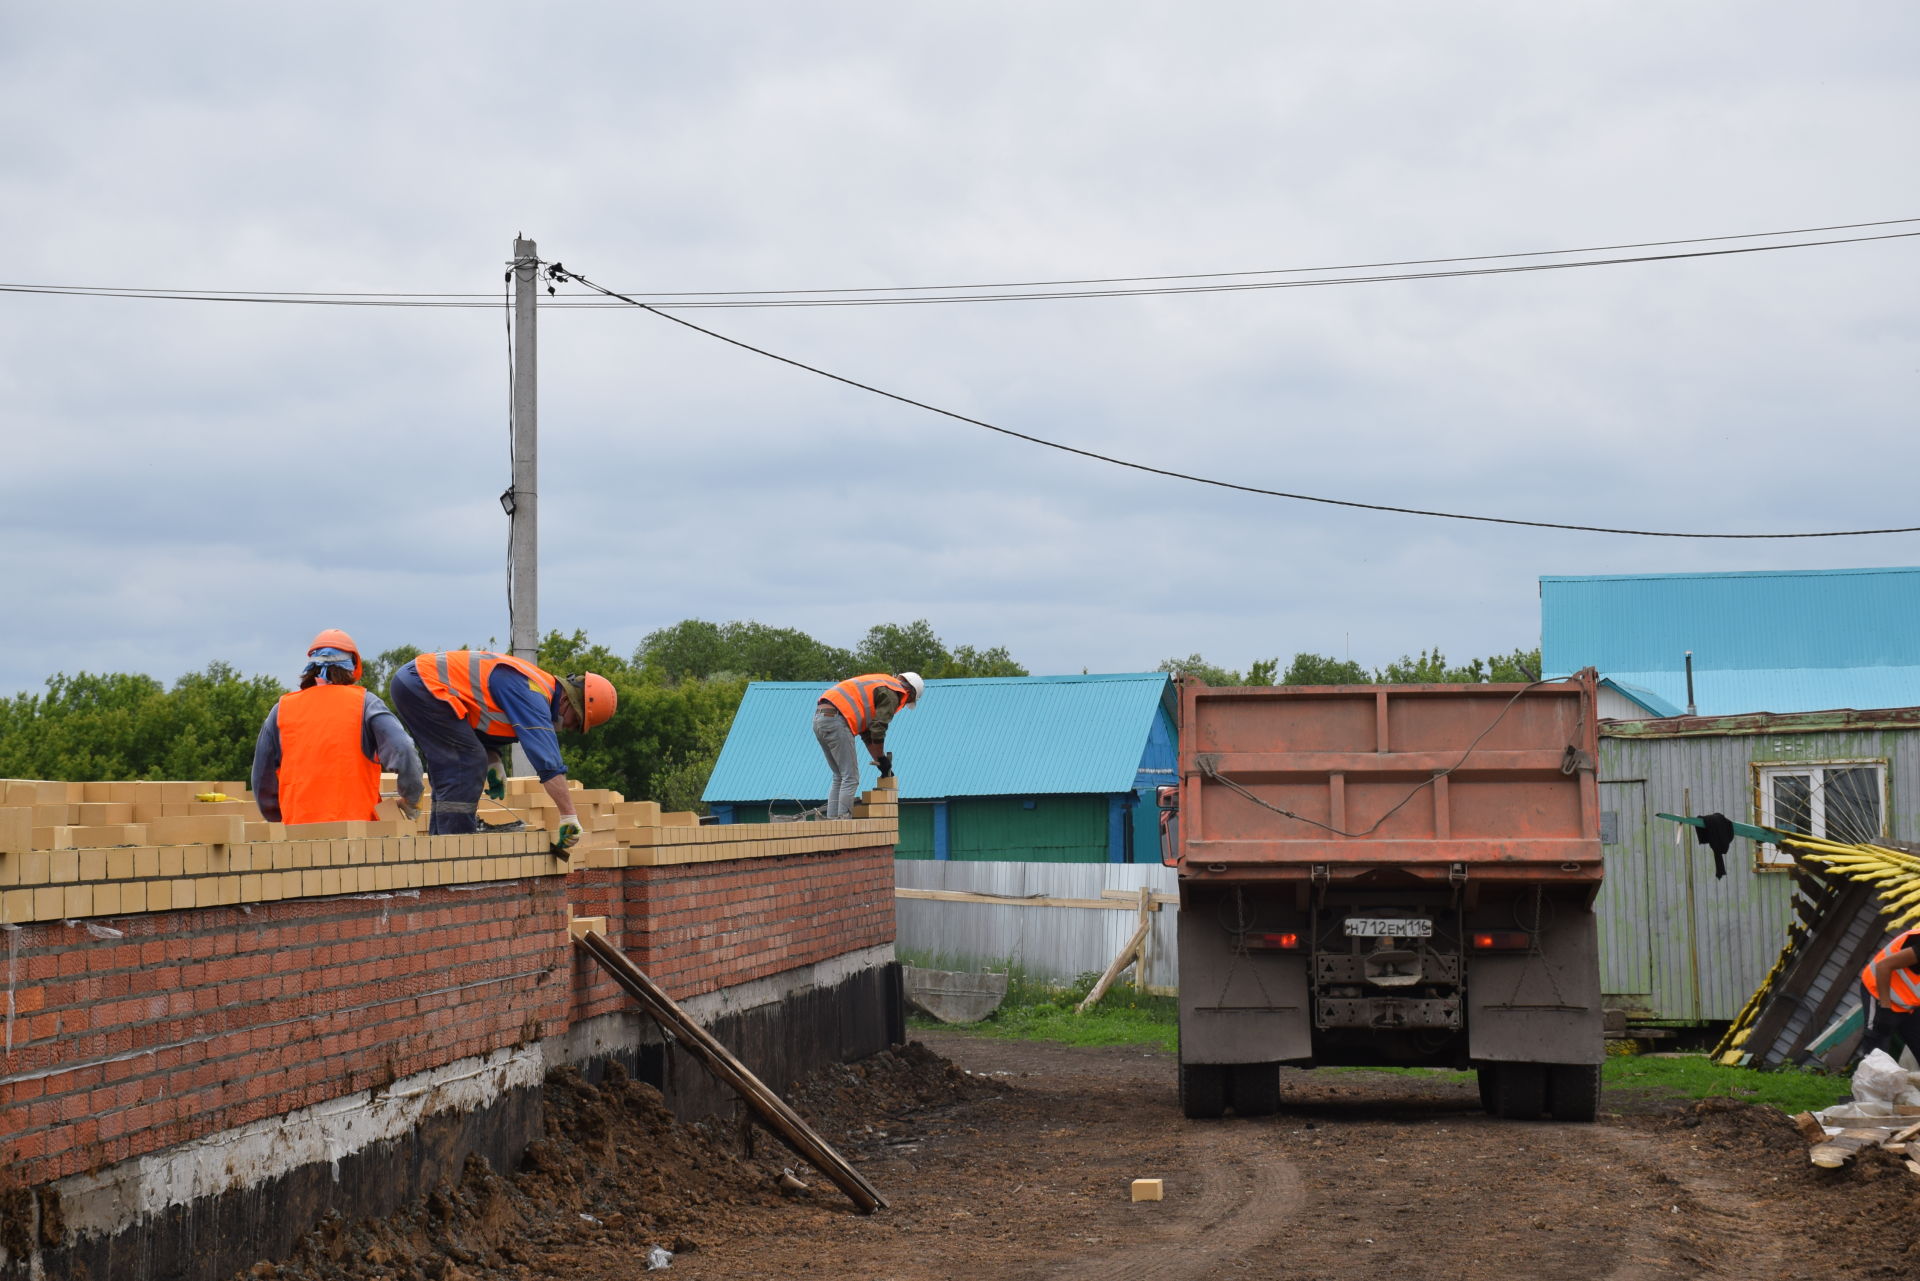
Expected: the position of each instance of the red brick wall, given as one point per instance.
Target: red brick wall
(697, 927)
(196, 1021)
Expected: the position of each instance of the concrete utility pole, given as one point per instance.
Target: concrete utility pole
(523, 506)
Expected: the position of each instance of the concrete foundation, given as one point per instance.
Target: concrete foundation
(203, 1210)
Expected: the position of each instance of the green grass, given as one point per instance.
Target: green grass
(1036, 1010)
(1695, 1076)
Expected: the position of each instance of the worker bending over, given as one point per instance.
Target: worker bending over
(464, 706)
(1892, 980)
(320, 753)
(862, 706)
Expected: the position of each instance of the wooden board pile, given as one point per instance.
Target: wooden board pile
(1894, 1134)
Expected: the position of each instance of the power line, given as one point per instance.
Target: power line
(882, 296)
(558, 271)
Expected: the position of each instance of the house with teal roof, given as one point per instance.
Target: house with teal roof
(1015, 768)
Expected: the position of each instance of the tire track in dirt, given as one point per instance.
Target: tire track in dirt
(1247, 1190)
(1718, 1231)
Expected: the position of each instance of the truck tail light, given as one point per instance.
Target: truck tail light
(1288, 942)
(1500, 940)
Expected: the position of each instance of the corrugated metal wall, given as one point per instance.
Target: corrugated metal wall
(1675, 942)
(1057, 942)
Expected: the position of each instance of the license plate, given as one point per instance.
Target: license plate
(1389, 927)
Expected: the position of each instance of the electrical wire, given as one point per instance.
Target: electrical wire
(559, 271)
(879, 296)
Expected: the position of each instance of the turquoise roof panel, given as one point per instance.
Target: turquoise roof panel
(1762, 641)
(994, 736)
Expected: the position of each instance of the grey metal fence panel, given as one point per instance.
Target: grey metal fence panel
(1048, 942)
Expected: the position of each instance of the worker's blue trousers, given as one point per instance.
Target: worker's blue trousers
(450, 749)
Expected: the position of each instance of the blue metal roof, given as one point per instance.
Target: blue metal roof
(994, 736)
(1764, 641)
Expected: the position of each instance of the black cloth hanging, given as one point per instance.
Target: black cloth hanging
(1716, 830)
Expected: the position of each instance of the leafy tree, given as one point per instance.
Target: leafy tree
(1430, 668)
(129, 726)
(1520, 665)
(1318, 669)
(965, 660)
(1196, 666)
(1263, 670)
(889, 647)
(377, 672)
(694, 647)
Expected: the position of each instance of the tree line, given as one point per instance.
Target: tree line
(678, 690)
(1426, 667)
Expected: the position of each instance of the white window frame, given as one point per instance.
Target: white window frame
(1770, 857)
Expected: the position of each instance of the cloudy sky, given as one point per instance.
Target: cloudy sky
(190, 481)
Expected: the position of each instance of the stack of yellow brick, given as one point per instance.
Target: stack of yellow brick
(105, 849)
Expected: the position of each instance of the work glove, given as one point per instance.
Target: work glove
(569, 834)
(407, 811)
(885, 765)
(496, 783)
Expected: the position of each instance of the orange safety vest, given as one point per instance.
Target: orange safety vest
(853, 698)
(325, 776)
(1903, 994)
(459, 678)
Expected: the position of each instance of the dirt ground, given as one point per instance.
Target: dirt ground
(1013, 1160)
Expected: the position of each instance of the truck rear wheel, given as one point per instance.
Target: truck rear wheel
(1486, 1075)
(1203, 1090)
(1519, 1091)
(1256, 1089)
(1573, 1091)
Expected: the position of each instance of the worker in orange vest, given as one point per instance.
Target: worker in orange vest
(320, 753)
(463, 707)
(861, 707)
(1892, 980)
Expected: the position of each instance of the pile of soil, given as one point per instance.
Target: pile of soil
(1864, 1216)
(618, 1171)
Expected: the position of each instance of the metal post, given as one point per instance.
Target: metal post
(523, 539)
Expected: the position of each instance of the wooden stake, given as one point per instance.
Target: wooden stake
(785, 1123)
(1119, 963)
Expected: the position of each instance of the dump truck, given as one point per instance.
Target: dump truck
(1389, 875)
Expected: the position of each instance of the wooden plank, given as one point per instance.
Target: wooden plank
(1119, 963)
(1008, 900)
(1842, 1147)
(1131, 896)
(785, 1123)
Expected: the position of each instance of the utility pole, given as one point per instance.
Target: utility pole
(523, 500)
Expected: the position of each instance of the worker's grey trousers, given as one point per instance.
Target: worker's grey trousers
(836, 740)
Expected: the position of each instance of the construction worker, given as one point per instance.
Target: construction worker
(862, 706)
(320, 753)
(1892, 980)
(464, 706)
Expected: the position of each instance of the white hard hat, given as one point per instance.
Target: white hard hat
(914, 683)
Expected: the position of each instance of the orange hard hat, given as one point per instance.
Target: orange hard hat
(593, 697)
(334, 638)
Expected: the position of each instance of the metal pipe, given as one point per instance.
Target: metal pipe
(1690, 709)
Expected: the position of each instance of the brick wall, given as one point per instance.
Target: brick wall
(701, 926)
(193, 1022)
(311, 970)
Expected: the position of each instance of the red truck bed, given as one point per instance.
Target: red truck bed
(1409, 778)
